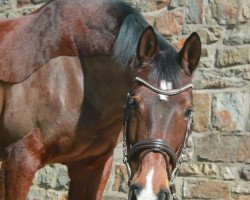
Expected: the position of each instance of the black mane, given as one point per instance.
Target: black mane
(166, 64)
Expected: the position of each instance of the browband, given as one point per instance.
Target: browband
(164, 92)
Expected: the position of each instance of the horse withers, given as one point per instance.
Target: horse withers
(65, 71)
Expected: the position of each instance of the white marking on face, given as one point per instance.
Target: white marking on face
(147, 192)
(164, 85)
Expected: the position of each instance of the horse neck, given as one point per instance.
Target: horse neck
(5, 24)
(105, 83)
(94, 31)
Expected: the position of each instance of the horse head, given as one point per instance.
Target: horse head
(158, 114)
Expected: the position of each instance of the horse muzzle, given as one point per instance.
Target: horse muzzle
(139, 193)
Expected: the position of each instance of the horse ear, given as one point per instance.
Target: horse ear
(190, 53)
(147, 45)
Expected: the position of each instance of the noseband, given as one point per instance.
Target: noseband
(155, 145)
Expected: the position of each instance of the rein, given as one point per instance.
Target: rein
(155, 145)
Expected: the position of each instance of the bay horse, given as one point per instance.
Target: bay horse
(65, 70)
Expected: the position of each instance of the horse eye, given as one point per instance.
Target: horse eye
(188, 112)
(133, 103)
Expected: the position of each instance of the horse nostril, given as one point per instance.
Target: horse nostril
(164, 195)
(133, 192)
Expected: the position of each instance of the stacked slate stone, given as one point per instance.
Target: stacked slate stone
(217, 164)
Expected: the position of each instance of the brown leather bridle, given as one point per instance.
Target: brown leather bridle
(154, 144)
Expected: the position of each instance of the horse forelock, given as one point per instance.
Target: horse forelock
(166, 65)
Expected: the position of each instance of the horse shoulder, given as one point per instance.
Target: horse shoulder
(51, 98)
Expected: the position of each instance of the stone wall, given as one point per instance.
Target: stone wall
(217, 163)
